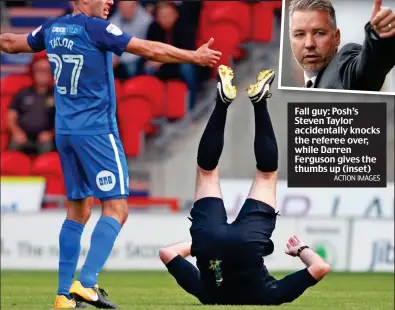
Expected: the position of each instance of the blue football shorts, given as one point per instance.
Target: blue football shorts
(93, 165)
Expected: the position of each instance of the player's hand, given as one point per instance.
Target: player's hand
(383, 20)
(19, 137)
(293, 244)
(207, 57)
(45, 136)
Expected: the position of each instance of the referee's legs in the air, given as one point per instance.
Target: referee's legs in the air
(208, 212)
(265, 145)
(257, 218)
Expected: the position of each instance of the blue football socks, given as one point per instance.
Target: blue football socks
(69, 252)
(102, 242)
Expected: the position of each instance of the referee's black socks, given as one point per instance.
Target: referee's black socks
(265, 144)
(212, 141)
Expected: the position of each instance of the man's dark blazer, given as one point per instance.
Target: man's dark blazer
(360, 67)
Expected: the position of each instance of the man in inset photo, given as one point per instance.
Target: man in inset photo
(315, 41)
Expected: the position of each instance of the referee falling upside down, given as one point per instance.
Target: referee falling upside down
(230, 266)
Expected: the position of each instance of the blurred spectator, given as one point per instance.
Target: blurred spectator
(170, 28)
(32, 111)
(133, 19)
(148, 5)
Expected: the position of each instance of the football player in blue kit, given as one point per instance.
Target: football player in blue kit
(79, 47)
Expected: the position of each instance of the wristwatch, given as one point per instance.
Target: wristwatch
(302, 248)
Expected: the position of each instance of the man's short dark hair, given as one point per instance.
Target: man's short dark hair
(321, 5)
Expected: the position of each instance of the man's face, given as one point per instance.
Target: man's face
(42, 74)
(100, 8)
(127, 9)
(313, 40)
(167, 17)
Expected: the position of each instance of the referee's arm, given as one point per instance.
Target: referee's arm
(185, 273)
(168, 253)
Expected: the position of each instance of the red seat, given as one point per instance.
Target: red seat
(263, 19)
(229, 24)
(236, 12)
(12, 84)
(148, 87)
(134, 118)
(118, 88)
(4, 141)
(15, 163)
(48, 166)
(176, 99)
(227, 37)
(5, 103)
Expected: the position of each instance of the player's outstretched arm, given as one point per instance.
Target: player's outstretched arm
(316, 266)
(14, 43)
(168, 253)
(165, 53)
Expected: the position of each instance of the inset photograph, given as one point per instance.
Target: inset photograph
(338, 45)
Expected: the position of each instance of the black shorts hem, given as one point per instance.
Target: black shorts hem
(173, 263)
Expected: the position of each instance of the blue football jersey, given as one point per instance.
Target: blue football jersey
(80, 49)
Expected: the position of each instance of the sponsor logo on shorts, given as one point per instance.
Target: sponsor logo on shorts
(105, 180)
(111, 28)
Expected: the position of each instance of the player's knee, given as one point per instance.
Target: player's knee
(208, 174)
(116, 208)
(166, 256)
(266, 175)
(80, 210)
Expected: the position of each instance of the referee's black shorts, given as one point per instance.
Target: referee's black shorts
(248, 237)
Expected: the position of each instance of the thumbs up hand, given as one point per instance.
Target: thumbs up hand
(383, 20)
(207, 57)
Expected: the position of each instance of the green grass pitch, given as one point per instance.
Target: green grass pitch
(158, 290)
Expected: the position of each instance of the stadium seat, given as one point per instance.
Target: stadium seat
(32, 17)
(232, 11)
(5, 102)
(134, 118)
(15, 163)
(176, 100)
(118, 88)
(149, 87)
(4, 140)
(226, 39)
(12, 84)
(229, 24)
(48, 166)
(263, 19)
